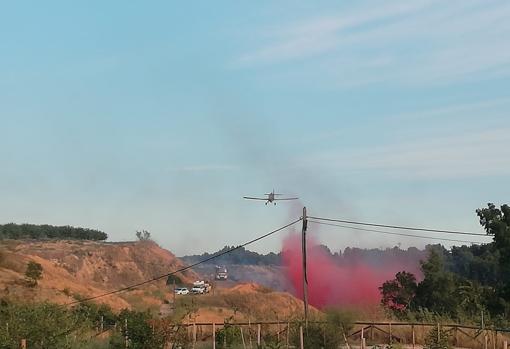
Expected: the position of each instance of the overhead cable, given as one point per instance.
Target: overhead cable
(393, 233)
(397, 226)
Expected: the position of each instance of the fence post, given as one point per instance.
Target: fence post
(214, 335)
(324, 335)
(391, 337)
(23, 344)
(242, 337)
(414, 337)
(362, 337)
(439, 334)
(194, 334)
(249, 332)
(288, 333)
(258, 334)
(301, 341)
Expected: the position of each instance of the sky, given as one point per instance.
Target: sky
(122, 116)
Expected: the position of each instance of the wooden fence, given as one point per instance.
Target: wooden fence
(363, 335)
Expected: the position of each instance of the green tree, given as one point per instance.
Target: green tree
(398, 293)
(33, 272)
(139, 330)
(496, 222)
(438, 292)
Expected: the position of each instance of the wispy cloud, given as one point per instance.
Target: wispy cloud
(462, 156)
(206, 168)
(407, 42)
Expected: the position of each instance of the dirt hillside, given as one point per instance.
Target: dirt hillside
(75, 269)
(245, 302)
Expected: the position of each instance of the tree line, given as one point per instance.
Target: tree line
(463, 282)
(243, 256)
(45, 231)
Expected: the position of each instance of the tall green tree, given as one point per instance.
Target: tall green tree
(438, 290)
(496, 222)
(398, 293)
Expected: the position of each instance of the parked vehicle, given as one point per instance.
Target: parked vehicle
(198, 290)
(221, 272)
(204, 286)
(181, 290)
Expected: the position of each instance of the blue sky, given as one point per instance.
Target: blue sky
(161, 116)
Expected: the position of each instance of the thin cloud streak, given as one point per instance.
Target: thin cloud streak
(409, 43)
(206, 168)
(469, 155)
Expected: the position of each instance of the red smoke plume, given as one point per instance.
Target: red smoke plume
(332, 283)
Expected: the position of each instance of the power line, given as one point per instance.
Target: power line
(393, 233)
(398, 227)
(185, 268)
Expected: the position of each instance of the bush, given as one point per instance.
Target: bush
(433, 342)
(33, 273)
(229, 334)
(326, 332)
(40, 323)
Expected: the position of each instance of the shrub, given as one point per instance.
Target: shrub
(228, 335)
(437, 338)
(33, 272)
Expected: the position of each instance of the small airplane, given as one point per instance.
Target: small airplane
(271, 197)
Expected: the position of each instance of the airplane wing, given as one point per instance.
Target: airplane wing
(286, 199)
(251, 198)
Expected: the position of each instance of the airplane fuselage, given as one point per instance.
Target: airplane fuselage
(270, 198)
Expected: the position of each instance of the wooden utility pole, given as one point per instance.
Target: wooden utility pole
(305, 276)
